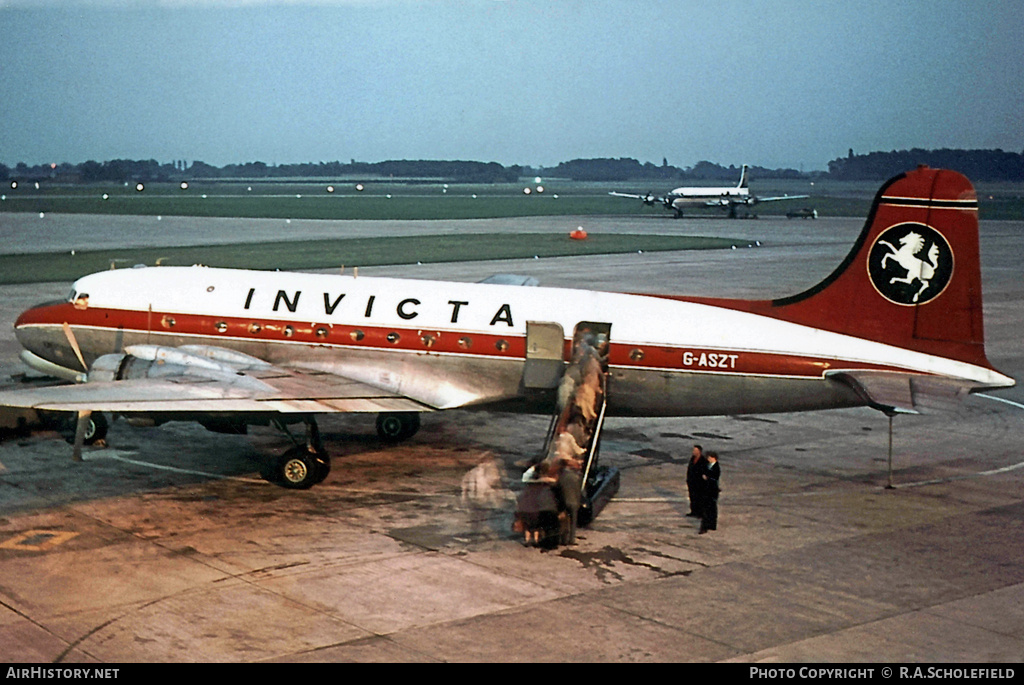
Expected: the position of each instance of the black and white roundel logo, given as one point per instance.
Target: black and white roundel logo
(910, 264)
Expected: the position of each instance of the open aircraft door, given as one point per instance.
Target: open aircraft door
(545, 349)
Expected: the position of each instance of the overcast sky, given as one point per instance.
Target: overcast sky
(786, 83)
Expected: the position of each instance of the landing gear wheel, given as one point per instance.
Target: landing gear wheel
(299, 469)
(95, 431)
(397, 426)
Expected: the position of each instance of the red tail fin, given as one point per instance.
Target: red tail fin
(913, 278)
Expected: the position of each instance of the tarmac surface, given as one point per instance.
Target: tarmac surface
(166, 546)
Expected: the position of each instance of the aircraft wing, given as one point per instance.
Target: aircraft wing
(648, 199)
(187, 380)
(782, 197)
(511, 279)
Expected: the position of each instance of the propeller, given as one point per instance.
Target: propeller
(84, 416)
(81, 426)
(70, 335)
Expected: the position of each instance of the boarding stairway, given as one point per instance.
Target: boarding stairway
(574, 434)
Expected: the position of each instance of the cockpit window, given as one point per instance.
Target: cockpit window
(81, 300)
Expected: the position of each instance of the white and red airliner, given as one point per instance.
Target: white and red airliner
(899, 319)
(725, 197)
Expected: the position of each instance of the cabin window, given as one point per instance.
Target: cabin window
(321, 332)
(221, 326)
(289, 331)
(636, 354)
(501, 345)
(428, 339)
(465, 342)
(168, 322)
(393, 337)
(357, 335)
(255, 328)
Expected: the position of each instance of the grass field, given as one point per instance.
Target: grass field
(387, 200)
(331, 254)
(380, 200)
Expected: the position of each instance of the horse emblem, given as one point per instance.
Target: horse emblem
(914, 272)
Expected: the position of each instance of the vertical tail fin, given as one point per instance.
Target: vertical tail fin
(913, 278)
(743, 177)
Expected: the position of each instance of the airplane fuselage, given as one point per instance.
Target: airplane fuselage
(451, 344)
(725, 196)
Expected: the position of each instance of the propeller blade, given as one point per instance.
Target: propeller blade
(70, 335)
(81, 426)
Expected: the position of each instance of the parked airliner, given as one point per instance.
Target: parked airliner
(899, 320)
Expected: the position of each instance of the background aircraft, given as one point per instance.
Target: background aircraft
(727, 197)
(893, 325)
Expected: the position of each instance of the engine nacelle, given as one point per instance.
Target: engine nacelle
(153, 361)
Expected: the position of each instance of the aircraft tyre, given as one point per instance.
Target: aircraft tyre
(94, 432)
(394, 427)
(299, 469)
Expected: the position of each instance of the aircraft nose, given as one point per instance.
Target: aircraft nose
(32, 321)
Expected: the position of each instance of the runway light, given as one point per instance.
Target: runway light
(14, 184)
(298, 197)
(536, 179)
(105, 196)
(540, 189)
(184, 185)
(359, 187)
(37, 185)
(526, 191)
(41, 215)
(139, 187)
(330, 189)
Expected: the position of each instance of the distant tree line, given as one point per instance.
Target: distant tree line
(122, 170)
(978, 165)
(626, 169)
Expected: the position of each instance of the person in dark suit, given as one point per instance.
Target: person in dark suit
(694, 485)
(709, 496)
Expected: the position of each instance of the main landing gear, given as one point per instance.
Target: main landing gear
(307, 463)
(395, 427)
(302, 466)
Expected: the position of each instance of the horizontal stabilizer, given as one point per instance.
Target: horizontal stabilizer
(905, 392)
